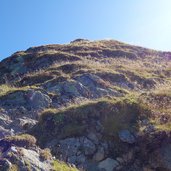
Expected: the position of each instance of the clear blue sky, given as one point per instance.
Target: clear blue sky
(26, 23)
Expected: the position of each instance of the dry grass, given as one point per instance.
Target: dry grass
(22, 140)
(6, 89)
(45, 154)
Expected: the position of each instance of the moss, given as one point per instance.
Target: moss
(61, 166)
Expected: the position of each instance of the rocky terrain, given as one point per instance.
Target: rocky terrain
(87, 105)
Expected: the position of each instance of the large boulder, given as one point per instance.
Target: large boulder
(37, 99)
(68, 89)
(96, 85)
(28, 99)
(34, 159)
(24, 159)
(68, 147)
(75, 150)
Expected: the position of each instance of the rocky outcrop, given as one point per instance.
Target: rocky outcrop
(88, 86)
(24, 159)
(29, 99)
(95, 105)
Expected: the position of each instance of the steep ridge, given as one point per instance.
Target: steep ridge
(95, 105)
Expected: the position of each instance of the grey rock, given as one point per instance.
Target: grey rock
(144, 122)
(108, 164)
(5, 132)
(34, 159)
(161, 157)
(165, 153)
(120, 160)
(80, 159)
(5, 164)
(22, 101)
(93, 137)
(99, 155)
(75, 150)
(68, 147)
(105, 146)
(95, 85)
(72, 159)
(4, 119)
(128, 156)
(68, 89)
(74, 88)
(26, 123)
(126, 136)
(149, 128)
(88, 146)
(92, 166)
(99, 127)
(37, 99)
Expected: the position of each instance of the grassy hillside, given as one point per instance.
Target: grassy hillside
(91, 93)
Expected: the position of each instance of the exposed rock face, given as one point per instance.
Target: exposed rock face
(26, 159)
(90, 104)
(5, 132)
(30, 99)
(38, 100)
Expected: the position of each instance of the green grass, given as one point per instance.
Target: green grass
(61, 166)
(114, 114)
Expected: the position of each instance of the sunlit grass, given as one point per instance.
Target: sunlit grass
(61, 166)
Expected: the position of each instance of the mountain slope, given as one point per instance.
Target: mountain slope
(94, 104)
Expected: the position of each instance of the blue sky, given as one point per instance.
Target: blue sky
(26, 23)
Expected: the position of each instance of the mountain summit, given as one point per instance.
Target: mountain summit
(87, 105)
